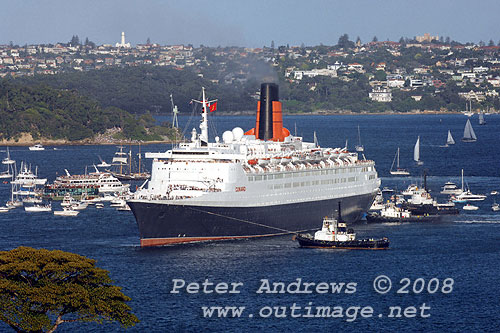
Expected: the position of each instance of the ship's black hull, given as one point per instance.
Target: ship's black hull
(162, 224)
(368, 244)
(431, 209)
(376, 218)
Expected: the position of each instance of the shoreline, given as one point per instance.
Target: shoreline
(73, 143)
(347, 113)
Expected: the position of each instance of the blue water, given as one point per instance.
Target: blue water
(465, 248)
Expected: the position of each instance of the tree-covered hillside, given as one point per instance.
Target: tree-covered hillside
(147, 89)
(50, 113)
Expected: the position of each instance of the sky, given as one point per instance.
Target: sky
(250, 23)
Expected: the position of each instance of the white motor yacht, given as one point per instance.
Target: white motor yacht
(66, 212)
(36, 147)
(451, 188)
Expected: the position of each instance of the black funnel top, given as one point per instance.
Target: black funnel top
(340, 214)
(268, 94)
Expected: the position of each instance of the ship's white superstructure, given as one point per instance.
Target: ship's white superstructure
(244, 171)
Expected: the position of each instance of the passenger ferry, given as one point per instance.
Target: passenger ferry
(91, 184)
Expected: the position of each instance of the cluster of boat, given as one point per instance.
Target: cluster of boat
(35, 195)
(415, 204)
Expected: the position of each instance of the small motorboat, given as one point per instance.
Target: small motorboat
(103, 163)
(38, 208)
(80, 205)
(36, 147)
(123, 207)
(494, 192)
(335, 235)
(99, 205)
(495, 207)
(66, 212)
(470, 207)
(11, 204)
(68, 201)
(387, 190)
(4, 209)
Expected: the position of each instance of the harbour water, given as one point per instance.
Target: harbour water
(464, 248)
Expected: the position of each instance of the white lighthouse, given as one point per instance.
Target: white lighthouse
(123, 44)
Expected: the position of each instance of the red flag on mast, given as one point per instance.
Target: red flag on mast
(213, 107)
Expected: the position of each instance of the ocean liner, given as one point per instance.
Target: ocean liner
(262, 182)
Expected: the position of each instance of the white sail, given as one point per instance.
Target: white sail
(450, 140)
(359, 147)
(481, 119)
(120, 160)
(416, 152)
(469, 135)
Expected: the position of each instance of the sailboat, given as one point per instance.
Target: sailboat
(9, 173)
(359, 147)
(416, 152)
(449, 140)
(399, 171)
(122, 161)
(469, 135)
(469, 112)
(481, 119)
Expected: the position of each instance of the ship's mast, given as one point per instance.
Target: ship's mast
(204, 120)
(204, 117)
(175, 111)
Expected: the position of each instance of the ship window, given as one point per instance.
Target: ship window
(270, 176)
(336, 171)
(288, 175)
(308, 183)
(264, 177)
(296, 184)
(258, 177)
(278, 176)
(278, 186)
(352, 179)
(296, 174)
(302, 183)
(324, 172)
(288, 185)
(269, 187)
(250, 178)
(325, 182)
(316, 182)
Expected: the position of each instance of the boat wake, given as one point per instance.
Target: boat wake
(490, 219)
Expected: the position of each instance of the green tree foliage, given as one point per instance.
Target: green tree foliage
(344, 42)
(74, 41)
(141, 89)
(50, 113)
(42, 289)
